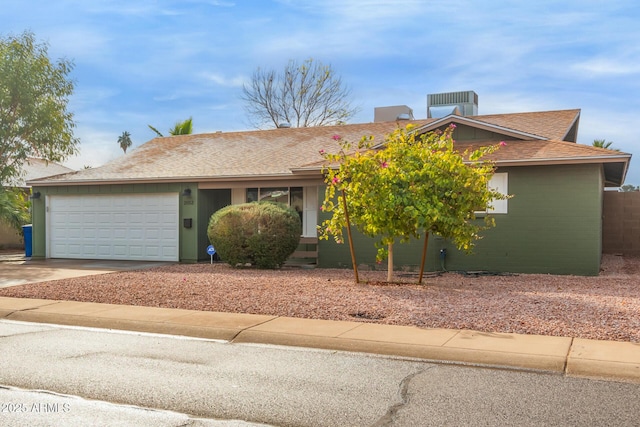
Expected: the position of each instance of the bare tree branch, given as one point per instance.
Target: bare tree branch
(309, 94)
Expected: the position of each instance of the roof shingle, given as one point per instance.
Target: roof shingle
(280, 152)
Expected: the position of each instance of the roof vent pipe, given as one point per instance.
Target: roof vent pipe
(284, 125)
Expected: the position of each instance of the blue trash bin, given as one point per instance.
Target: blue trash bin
(27, 231)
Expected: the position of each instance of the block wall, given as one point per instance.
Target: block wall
(621, 223)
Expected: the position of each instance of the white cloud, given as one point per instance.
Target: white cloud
(96, 149)
(168, 97)
(602, 67)
(158, 61)
(221, 80)
(369, 11)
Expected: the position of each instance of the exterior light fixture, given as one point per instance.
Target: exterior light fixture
(186, 192)
(35, 195)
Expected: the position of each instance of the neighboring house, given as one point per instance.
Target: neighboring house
(155, 203)
(33, 169)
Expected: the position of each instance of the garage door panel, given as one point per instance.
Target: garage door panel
(136, 224)
(74, 249)
(89, 250)
(168, 234)
(121, 204)
(152, 233)
(136, 234)
(119, 218)
(152, 250)
(120, 250)
(59, 248)
(74, 233)
(56, 232)
(140, 227)
(74, 218)
(119, 233)
(168, 218)
(165, 251)
(135, 251)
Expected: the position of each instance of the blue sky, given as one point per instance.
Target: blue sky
(140, 62)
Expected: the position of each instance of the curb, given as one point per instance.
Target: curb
(577, 357)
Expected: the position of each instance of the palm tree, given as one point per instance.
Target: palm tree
(601, 143)
(181, 128)
(125, 141)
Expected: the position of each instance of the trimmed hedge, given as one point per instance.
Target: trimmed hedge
(263, 234)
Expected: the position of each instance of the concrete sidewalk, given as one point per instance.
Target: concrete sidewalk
(570, 356)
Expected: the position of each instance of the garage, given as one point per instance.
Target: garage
(116, 227)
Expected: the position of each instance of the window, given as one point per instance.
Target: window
(499, 183)
(303, 200)
(291, 196)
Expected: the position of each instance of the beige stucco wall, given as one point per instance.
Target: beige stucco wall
(621, 223)
(9, 237)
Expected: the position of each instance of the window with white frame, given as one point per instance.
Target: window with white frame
(499, 182)
(303, 199)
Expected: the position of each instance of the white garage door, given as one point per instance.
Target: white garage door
(119, 227)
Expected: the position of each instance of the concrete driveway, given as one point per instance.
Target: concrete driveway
(17, 270)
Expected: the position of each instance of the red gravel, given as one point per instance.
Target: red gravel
(605, 307)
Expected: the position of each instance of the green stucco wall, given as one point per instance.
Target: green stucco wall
(187, 209)
(553, 225)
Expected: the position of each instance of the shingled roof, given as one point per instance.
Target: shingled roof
(553, 125)
(532, 138)
(34, 168)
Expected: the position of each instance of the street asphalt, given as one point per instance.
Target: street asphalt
(570, 356)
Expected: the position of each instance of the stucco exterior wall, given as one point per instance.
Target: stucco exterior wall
(10, 238)
(553, 225)
(621, 223)
(187, 209)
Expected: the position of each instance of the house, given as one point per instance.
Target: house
(155, 203)
(33, 168)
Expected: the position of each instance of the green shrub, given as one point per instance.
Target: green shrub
(263, 234)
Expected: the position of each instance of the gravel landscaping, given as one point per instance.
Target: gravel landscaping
(606, 307)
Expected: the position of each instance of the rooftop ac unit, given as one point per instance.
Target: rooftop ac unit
(392, 113)
(462, 103)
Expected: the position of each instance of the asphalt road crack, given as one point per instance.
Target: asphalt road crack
(403, 391)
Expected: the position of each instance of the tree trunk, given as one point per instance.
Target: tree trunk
(390, 264)
(351, 248)
(424, 256)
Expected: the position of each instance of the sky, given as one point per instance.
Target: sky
(157, 62)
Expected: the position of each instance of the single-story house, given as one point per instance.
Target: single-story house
(33, 168)
(155, 202)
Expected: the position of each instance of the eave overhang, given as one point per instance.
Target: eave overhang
(306, 174)
(615, 167)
